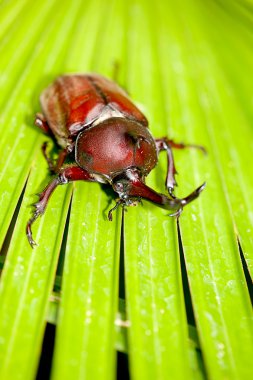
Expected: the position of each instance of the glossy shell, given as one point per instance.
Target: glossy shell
(74, 102)
(115, 145)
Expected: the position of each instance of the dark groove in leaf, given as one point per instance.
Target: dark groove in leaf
(122, 262)
(60, 265)
(189, 306)
(45, 362)
(122, 366)
(246, 273)
(7, 240)
(186, 288)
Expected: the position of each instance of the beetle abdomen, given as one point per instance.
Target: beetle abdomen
(115, 145)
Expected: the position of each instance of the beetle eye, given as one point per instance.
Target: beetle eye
(119, 187)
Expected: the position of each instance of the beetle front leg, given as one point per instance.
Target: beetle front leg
(166, 144)
(71, 173)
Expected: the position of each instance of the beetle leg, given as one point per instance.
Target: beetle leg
(61, 158)
(41, 122)
(54, 168)
(118, 203)
(68, 174)
(170, 183)
(46, 156)
(166, 144)
(175, 145)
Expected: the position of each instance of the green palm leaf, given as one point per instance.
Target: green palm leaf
(185, 310)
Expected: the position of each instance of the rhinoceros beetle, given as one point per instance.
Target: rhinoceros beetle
(106, 137)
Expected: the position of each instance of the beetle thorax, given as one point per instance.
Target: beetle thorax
(115, 145)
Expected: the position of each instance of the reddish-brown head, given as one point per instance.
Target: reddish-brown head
(114, 145)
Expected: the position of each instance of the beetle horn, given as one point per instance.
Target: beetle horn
(193, 195)
(185, 201)
(139, 189)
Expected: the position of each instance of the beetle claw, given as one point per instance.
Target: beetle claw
(29, 232)
(39, 209)
(32, 242)
(171, 192)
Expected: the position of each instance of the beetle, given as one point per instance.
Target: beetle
(106, 139)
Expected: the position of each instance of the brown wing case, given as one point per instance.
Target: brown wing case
(73, 102)
(118, 99)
